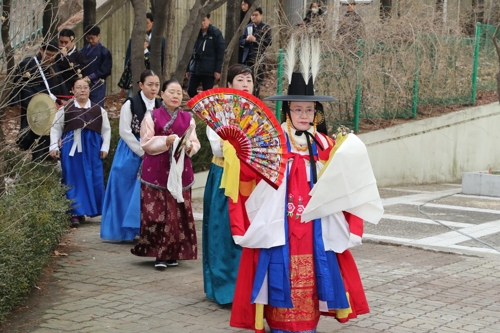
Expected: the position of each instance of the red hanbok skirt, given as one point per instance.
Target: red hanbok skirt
(167, 227)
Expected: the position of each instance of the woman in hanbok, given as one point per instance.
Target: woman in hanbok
(302, 268)
(168, 138)
(221, 256)
(82, 128)
(121, 220)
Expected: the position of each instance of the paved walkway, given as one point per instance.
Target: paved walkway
(422, 287)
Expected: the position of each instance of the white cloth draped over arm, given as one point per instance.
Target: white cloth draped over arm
(351, 176)
(56, 130)
(105, 131)
(154, 145)
(126, 130)
(215, 141)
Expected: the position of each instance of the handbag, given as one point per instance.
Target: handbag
(192, 65)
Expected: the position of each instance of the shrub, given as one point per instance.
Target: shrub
(203, 158)
(33, 217)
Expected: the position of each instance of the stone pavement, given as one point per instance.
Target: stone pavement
(419, 277)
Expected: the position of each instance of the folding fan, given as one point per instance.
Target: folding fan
(249, 125)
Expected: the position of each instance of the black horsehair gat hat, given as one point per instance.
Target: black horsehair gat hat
(301, 85)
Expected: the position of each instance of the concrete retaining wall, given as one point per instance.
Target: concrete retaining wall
(437, 149)
(432, 150)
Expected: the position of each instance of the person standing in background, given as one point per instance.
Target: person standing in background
(245, 6)
(70, 61)
(99, 66)
(126, 81)
(255, 40)
(205, 65)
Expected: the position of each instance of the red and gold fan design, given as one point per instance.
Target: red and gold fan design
(249, 125)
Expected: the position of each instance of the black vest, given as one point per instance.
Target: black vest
(138, 109)
(75, 118)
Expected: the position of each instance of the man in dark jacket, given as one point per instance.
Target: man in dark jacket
(71, 62)
(99, 66)
(28, 81)
(255, 40)
(206, 62)
(351, 29)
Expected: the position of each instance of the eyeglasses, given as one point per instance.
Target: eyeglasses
(81, 87)
(300, 112)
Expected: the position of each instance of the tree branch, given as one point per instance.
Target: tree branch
(159, 26)
(190, 32)
(234, 42)
(137, 43)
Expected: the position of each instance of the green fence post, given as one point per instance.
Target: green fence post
(357, 101)
(415, 80)
(476, 63)
(279, 85)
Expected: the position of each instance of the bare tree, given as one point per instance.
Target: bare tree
(169, 66)
(5, 91)
(494, 17)
(50, 20)
(137, 43)
(232, 23)
(89, 14)
(189, 33)
(234, 42)
(495, 36)
(160, 18)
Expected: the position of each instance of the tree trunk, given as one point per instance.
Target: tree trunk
(190, 32)
(5, 88)
(498, 85)
(495, 37)
(234, 42)
(169, 65)
(137, 44)
(89, 14)
(233, 10)
(494, 17)
(50, 20)
(159, 26)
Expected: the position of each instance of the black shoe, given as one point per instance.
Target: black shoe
(171, 263)
(74, 222)
(160, 264)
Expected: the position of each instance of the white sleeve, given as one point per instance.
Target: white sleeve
(105, 131)
(126, 130)
(56, 130)
(214, 142)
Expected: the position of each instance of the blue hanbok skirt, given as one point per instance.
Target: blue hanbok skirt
(83, 173)
(121, 216)
(221, 256)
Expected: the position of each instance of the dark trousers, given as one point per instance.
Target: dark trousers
(98, 93)
(207, 82)
(258, 73)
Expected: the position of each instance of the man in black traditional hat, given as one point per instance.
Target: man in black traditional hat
(34, 75)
